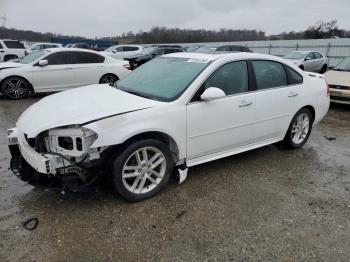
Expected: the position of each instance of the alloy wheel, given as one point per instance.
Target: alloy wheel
(300, 128)
(143, 170)
(109, 79)
(15, 88)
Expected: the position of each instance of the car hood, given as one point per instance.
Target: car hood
(80, 106)
(6, 65)
(340, 78)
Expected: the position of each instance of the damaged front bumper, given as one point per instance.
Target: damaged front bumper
(47, 169)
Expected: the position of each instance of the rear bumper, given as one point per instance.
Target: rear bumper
(340, 96)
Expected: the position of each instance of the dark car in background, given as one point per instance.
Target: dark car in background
(151, 52)
(209, 49)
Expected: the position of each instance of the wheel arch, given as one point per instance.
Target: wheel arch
(168, 140)
(312, 110)
(31, 88)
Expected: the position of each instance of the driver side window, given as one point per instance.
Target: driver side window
(309, 56)
(232, 78)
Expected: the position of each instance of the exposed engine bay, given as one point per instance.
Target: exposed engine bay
(71, 160)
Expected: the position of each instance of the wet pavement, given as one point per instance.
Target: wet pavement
(264, 205)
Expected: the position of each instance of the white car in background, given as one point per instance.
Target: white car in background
(11, 50)
(41, 46)
(122, 51)
(58, 69)
(311, 61)
(178, 110)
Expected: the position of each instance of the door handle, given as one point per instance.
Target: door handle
(292, 94)
(245, 103)
(2, 51)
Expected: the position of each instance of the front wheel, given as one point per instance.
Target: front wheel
(299, 129)
(15, 88)
(142, 170)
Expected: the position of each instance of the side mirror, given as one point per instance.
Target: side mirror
(307, 58)
(212, 93)
(43, 62)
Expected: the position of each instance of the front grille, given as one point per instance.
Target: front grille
(340, 87)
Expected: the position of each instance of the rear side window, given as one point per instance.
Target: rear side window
(224, 48)
(60, 58)
(232, 78)
(130, 48)
(14, 45)
(294, 78)
(87, 58)
(317, 55)
(269, 74)
(236, 48)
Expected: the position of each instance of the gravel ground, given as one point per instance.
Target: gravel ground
(265, 205)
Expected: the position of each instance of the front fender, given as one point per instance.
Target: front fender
(170, 120)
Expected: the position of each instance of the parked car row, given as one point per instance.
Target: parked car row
(58, 69)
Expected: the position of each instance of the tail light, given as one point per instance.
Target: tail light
(127, 66)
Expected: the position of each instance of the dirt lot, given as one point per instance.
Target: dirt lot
(265, 205)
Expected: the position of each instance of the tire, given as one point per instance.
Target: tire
(134, 179)
(108, 79)
(15, 87)
(323, 69)
(301, 67)
(9, 57)
(297, 135)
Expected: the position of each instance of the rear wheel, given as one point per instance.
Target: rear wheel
(15, 87)
(142, 170)
(108, 79)
(323, 69)
(299, 129)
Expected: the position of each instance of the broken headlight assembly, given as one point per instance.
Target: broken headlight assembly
(72, 142)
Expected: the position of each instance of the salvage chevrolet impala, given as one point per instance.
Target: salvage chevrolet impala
(178, 110)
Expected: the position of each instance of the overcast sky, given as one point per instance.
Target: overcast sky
(91, 18)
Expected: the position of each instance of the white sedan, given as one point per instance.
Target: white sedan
(178, 110)
(122, 51)
(58, 69)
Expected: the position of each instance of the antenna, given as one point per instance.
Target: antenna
(4, 19)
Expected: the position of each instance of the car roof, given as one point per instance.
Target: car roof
(234, 56)
(60, 49)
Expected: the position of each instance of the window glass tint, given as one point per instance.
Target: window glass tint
(158, 52)
(224, 48)
(246, 49)
(119, 49)
(269, 74)
(171, 50)
(1, 47)
(231, 78)
(87, 58)
(60, 58)
(294, 77)
(236, 48)
(130, 48)
(317, 55)
(14, 44)
(310, 56)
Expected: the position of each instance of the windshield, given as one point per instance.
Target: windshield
(295, 55)
(207, 49)
(33, 56)
(111, 48)
(343, 65)
(164, 78)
